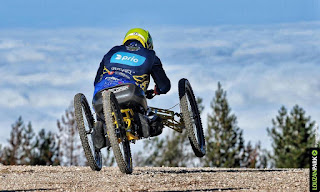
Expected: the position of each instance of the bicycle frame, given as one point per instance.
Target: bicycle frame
(168, 120)
(167, 116)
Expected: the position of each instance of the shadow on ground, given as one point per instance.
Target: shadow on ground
(214, 189)
(41, 189)
(183, 171)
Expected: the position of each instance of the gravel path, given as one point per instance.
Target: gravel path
(48, 178)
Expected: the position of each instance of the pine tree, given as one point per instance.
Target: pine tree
(200, 104)
(28, 145)
(12, 153)
(1, 155)
(292, 135)
(254, 156)
(47, 151)
(70, 149)
(225, 144)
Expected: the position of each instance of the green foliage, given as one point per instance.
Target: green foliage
(291, 134)
(225, 144)
(28, 145)
(12, 153)
(254, 156)
(167, 152)
(200, 105)
(24, 149)
(47, 149)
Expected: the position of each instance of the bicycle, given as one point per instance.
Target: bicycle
(119, 106)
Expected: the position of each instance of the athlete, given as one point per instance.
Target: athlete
(132, 62)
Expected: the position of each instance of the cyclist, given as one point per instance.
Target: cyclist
(132, 62)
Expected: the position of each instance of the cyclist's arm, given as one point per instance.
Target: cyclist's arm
(159, 76)
(99, 72)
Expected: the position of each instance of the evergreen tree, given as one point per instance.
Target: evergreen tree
(169, 151)
(12, 153)
(154, 149)
(1, 155)
(292, 135)
(28, 145)
(200, 105)
(254, 156)
(47, 151)
(70, 149)
(225, 144)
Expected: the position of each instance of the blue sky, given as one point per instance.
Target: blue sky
(264, 53)
(100, 13)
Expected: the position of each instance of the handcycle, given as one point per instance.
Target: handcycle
(118, 107)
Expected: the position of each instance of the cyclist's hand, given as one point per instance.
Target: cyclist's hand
(150, 94)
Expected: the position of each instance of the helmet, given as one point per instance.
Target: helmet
(140, 35)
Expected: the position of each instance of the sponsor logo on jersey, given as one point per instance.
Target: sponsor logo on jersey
(127, 59)
(119, 89)
(112, 79)
(128, 71)
(122, 74)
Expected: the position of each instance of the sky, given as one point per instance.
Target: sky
(265, 54)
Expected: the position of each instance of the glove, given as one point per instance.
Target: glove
(150, 94)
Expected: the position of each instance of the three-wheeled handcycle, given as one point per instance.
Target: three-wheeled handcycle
(118, 106)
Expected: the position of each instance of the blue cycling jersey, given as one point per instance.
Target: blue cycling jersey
(131, 64)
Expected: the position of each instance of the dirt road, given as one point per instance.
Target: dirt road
(47, 178)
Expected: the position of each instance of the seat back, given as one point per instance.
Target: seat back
(128, 96)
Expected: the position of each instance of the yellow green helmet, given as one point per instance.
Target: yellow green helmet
(141, 35)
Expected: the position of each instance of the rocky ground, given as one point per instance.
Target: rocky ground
(48, 178)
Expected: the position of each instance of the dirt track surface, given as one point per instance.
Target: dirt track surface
(47, 178)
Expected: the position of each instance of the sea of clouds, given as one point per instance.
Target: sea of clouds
(262, 67)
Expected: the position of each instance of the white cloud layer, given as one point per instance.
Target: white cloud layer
(260, 67)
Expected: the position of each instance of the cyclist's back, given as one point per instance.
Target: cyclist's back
(133, 62)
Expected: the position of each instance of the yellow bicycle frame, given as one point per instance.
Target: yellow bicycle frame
(167, 117)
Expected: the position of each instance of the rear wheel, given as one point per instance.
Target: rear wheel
(116, 132)
(85, 123)
(191, 118)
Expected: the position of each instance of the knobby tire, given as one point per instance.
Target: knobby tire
(110, 104)
(81, 106)
(191, 118)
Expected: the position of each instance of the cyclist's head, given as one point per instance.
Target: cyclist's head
(140, 35)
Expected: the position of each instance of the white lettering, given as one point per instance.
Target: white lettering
(118, 57)
(119, 89)
(314, 163)
(126, 58)
(128, 71)
(112, 79)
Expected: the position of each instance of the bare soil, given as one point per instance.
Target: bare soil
(50, 178)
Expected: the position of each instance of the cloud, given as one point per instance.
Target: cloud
(12, 99)
(10, 44)
(277, 49)
(24, 55)
(260, 67)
